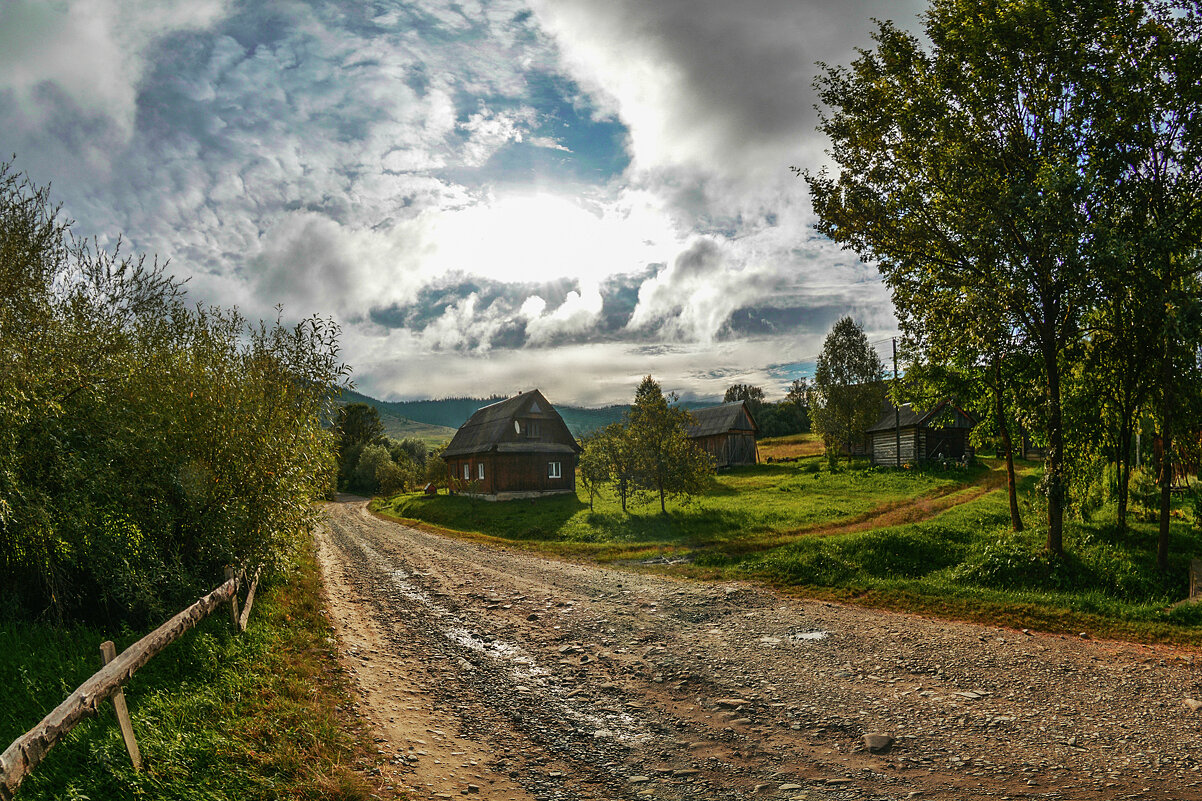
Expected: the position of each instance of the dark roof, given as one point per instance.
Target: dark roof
(491, 428)
(713, 420)
(910, 417)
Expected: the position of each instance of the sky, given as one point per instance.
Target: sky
(487, 195)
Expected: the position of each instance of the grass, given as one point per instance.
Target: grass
(794, 446)
(217, 716)
(748, 508)
(925, 541)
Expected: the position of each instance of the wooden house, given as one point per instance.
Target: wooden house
(941, 432)
(727, 433)
(515, 448)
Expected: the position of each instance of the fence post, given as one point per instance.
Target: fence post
(234, 616)
(108, 653)
(250, 599)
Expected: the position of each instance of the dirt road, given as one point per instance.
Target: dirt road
(494, 673)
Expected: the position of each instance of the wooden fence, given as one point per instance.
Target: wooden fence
(20, 758)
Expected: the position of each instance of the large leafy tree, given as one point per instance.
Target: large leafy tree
(848, 386)
(1147, 100)
(967, 171)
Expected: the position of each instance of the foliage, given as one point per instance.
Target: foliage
(1034, 160)
(144, 443)
(436, 469)
(752, 396)
(357, 427)
(666, 461)
(848, 387)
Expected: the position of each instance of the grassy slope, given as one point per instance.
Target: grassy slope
(787, 524)
(217, 716)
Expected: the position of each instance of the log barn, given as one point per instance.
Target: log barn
(515, 448)
(941, 432)
(726, 432)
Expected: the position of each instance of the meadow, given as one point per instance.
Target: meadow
(931, 540)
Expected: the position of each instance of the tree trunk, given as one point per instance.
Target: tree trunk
(1054, 464)
(1124, 460)
(1166, 457)
(1016, 521)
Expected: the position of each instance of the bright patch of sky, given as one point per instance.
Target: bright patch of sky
(487, 195)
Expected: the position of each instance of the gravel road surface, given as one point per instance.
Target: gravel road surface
(494, 673)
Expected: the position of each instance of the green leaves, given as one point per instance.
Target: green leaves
(144, 443)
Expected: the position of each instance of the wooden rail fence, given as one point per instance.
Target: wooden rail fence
(20, 758)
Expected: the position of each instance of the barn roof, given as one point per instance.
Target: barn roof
(713, 420)
(492, 425)
(910, 417)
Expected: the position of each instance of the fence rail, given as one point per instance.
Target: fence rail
(20, 758)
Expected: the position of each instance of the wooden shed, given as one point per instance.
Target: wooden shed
(726, 432)
(941, 432)
(515, 448)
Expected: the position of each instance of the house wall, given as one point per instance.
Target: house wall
(514, 472)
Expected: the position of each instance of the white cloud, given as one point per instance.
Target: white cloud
(94, 52)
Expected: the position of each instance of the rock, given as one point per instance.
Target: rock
(742, 721)
(473, 788)
(639, 779)
(732, 702)
(878, 743)
(791, 787)
(1193, 704)
(759, 788)
(685, 772)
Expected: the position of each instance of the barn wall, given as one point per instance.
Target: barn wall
(884, 446)
(514, 472)
(732, 448)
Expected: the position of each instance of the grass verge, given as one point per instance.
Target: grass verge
(260, 715)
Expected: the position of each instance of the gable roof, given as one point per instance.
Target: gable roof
(910, 417)
(491, 428)
(713, 420)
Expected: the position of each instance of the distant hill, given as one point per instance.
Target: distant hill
(398, 426)
(435, 421)
(443, 417)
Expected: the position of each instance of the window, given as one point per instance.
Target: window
(532, 429)
(480, 471)
(553, 470)
(467, 471)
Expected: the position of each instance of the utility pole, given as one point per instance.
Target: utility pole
(896, 409)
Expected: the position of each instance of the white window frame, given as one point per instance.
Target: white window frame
(480, 471)
(554, 470)
(467, 471)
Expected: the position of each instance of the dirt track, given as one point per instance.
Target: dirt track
(493, 673)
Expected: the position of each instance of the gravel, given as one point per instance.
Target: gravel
(487, 670)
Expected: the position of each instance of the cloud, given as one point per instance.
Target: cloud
(90, 55)
(715, 84)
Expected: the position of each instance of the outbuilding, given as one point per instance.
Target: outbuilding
(941, 432)
(516, 448)
(726, 432)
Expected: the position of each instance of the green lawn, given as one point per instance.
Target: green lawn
(217, 716)
(931, 541)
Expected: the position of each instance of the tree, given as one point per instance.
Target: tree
(666, 460)
(358, 426)
(849, 387)
(798, 399)
(970, 170)
(145, 442)
(593, 468)
(753, 397)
